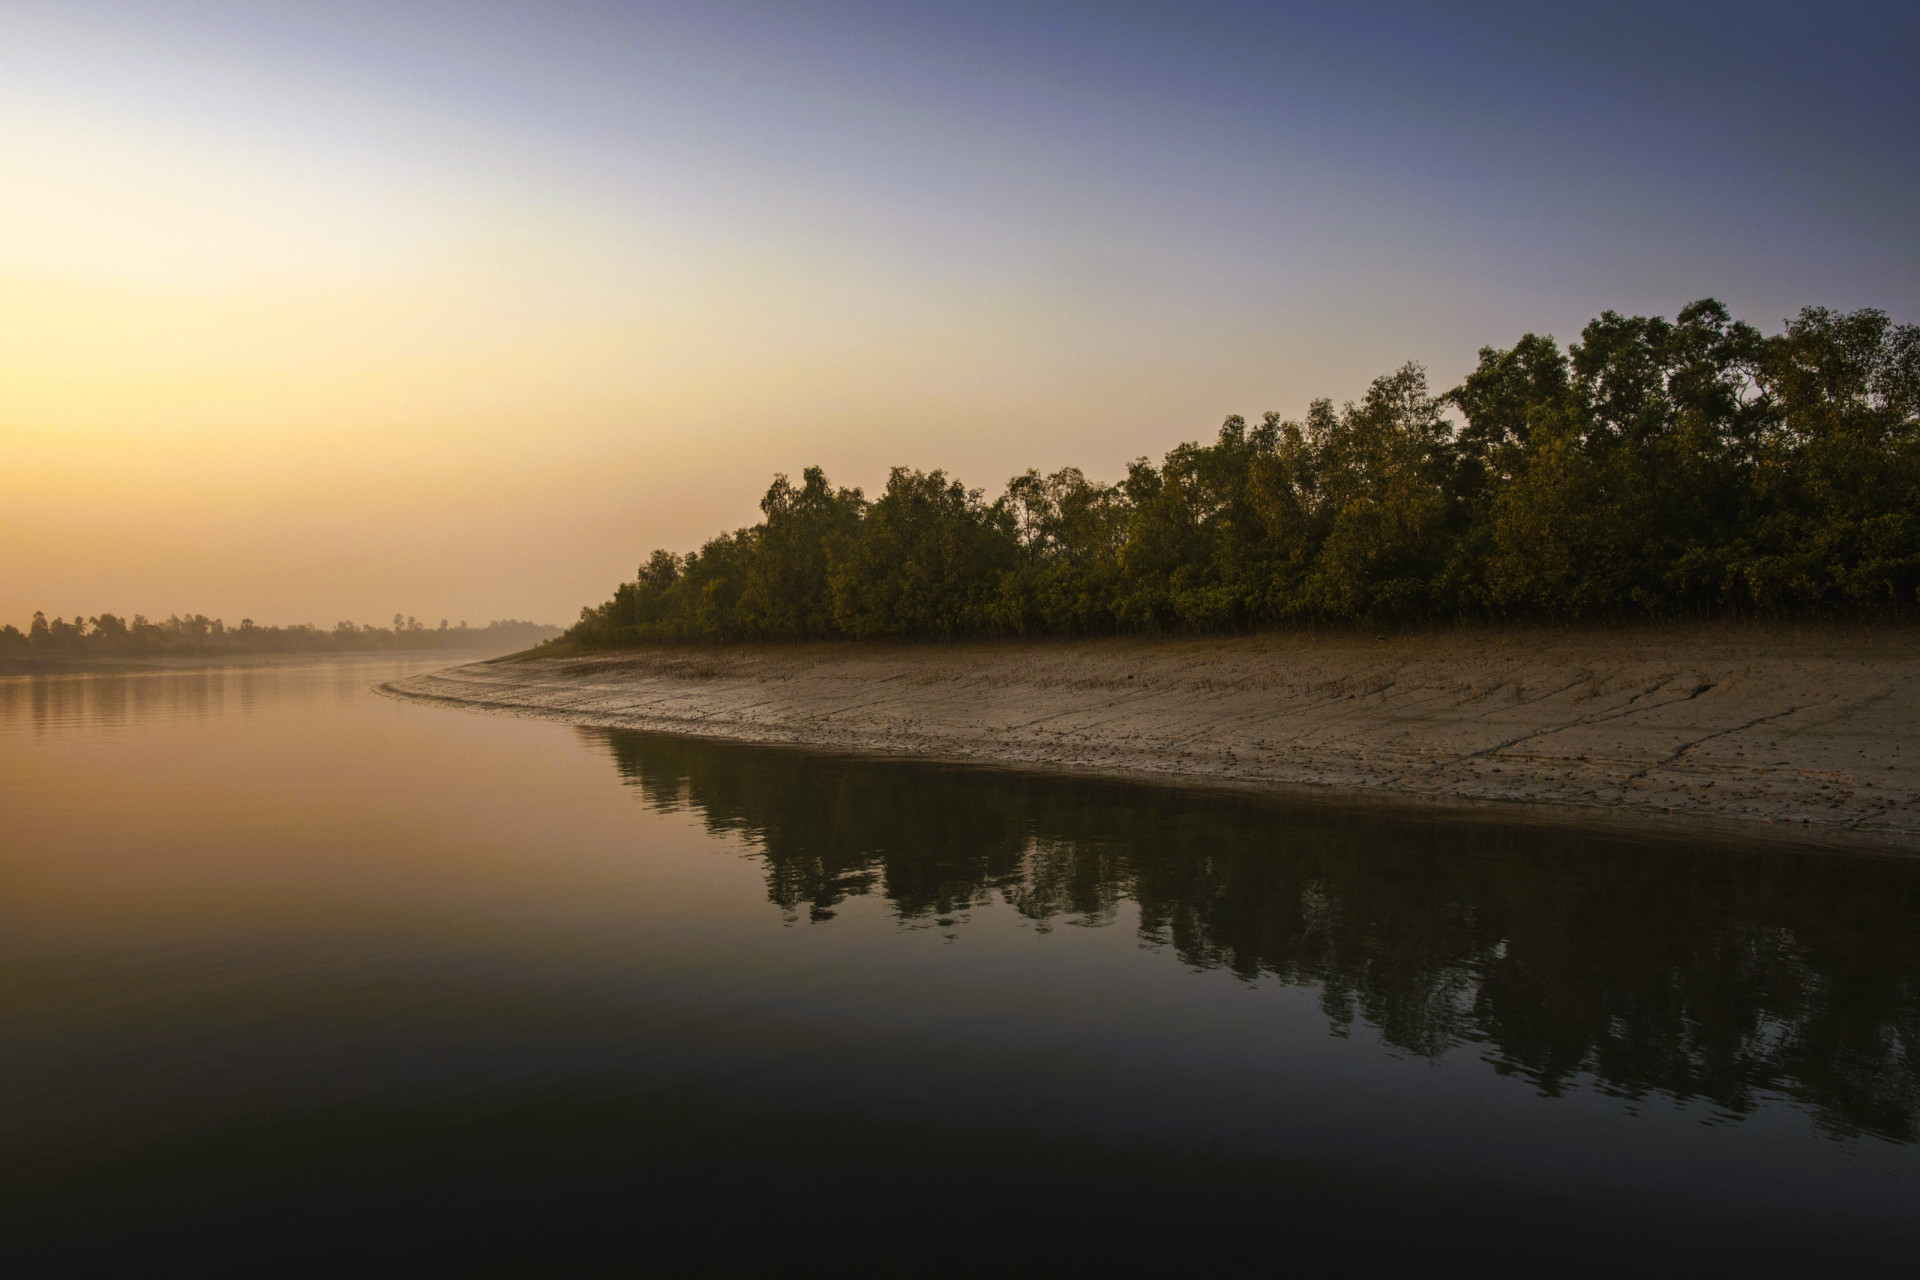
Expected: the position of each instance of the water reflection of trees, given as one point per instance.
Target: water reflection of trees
(1698, 973)
(111, 698)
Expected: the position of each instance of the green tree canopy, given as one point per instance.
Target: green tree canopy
(1655, 468)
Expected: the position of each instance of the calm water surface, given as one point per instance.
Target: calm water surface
(292, 975)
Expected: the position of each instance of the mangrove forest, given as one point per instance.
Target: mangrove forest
(1692, 467)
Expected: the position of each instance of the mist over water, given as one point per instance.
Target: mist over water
(289, 971)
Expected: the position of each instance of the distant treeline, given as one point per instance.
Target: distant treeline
(1656, 468)
(198, 634)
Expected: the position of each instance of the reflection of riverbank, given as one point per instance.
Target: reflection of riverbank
(1568, 960)
(111, 664)
(102, 693)
(1817, 727)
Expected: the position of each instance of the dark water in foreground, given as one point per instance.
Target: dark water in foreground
(292, 976)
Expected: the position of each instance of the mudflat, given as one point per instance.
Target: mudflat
(1814, 729)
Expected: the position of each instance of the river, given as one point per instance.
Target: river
(293, 975)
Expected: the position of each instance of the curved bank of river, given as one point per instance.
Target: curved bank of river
(1815, 730)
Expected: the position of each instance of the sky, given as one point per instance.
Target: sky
(323, 311)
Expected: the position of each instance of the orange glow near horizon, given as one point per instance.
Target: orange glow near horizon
(229, 388)
(323, 312)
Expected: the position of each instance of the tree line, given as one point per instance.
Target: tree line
(1692, 467)
(109, 634)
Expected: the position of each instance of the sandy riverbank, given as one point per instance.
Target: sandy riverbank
(1816, 727)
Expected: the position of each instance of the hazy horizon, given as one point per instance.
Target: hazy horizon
(315, 312)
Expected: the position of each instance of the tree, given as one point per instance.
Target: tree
(1382, 477)
(1837, 480)
(928, 560)
(786, 593)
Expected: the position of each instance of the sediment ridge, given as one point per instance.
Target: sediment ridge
(1812, 729)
